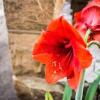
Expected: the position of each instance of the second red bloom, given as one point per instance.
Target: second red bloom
(89, 18)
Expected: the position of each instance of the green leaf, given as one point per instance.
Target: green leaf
(48, 96)
(67, 93)
(92, 89)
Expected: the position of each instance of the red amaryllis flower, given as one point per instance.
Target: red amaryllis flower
(89, 18)
(63, 51)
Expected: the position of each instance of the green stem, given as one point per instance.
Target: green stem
(94, 42)
(88, 32)
(79, 93)
(48, 96)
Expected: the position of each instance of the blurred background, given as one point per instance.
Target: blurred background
(25, 21)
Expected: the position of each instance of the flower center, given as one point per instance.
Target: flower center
(67, 43)
(65, 47)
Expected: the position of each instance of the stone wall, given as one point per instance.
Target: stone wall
(25, 20)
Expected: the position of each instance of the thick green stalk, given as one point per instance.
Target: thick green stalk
(79, 93)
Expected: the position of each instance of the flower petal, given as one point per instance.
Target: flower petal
(72, 32)
(55, 25)
(91, 16)
(96, 36)
(83, 55)
(59, 67)
(53, 74)
(44, 47)
(74, 82)
(43, 58)
(77, 17)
